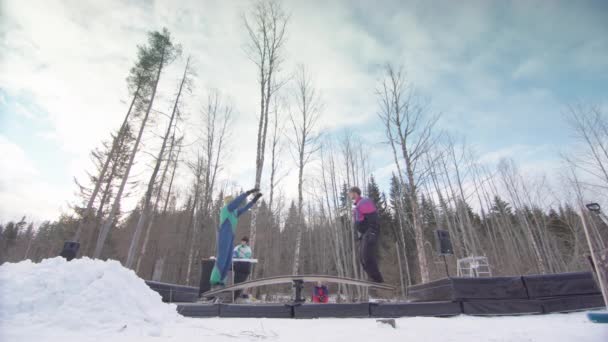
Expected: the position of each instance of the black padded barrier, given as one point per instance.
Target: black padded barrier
(489, 288)
(572, 303)
(455, 289)
(438, 290)
(349, 310)
(532, 294)
(256, 310)
(563, 284)
(488, 307)
(432, 309)
(198, 310)
(174, 293)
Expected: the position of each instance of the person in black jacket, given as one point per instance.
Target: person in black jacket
(367, 223)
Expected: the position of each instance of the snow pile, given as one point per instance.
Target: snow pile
(90, 301)
(89, 295)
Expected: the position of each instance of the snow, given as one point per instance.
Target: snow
(81, 295)
(92, 300)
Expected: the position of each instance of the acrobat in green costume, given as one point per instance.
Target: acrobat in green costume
(229, 218)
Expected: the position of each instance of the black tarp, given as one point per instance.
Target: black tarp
(198, 310)
(438, 290)
(174, 293)
(572, 303)
(486, 307)
(454, 289)
(489, 288)
(356, 310)
(256, 310)
(396, 310)
(563, 284)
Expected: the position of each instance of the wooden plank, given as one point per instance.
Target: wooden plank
(305, 278)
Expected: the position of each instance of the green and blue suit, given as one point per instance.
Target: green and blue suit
(229, 218)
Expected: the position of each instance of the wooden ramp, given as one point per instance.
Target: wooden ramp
(298, 283)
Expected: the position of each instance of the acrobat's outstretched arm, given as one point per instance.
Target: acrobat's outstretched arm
(249, 205)
(235, 203)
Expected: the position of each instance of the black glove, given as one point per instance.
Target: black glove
(252, 191)
(257, 196)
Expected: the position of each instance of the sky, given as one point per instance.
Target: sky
(501, 74)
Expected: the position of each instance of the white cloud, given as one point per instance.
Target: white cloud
(528, 68)
(70, 59)
(23, 190)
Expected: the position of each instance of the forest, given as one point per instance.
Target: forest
(522, 223)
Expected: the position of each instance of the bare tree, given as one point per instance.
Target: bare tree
(266, 25)
(276, 148)
(216, 117)
(413, 130)
(145, 212)
(158, 198)
(590, 126)
(304, 141)
(178, 142)
(513, 183)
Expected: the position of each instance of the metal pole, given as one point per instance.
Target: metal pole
(298, 285)
(232, 271)
(445, 262)
(599, 271)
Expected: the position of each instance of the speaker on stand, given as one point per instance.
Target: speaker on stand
(70, 250)
(443, 244)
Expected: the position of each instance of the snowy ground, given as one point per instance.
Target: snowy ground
(86, 300)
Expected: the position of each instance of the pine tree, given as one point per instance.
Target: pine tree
(387, 230)
(153, 59)
(501, 207)
(559, 228)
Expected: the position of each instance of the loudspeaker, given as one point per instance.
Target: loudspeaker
(443, 243)
(70, 250)
(206, 269)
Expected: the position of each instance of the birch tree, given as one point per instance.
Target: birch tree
(266, 25)
(304, 141)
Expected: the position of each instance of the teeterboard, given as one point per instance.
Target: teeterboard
(304, 278)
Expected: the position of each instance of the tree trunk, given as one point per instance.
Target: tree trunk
(105, 229)
(175, 163)
(156, 202)
(148, 196)
(296, 260)
(101, 176)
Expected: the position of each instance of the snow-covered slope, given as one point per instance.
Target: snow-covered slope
(90, 300)
(81, 295)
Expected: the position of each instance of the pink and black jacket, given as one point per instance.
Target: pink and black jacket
(365, 215)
